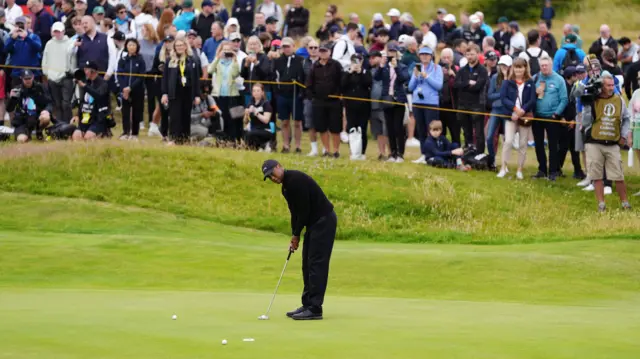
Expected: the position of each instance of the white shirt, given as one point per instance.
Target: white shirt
(342, 54)
(520, 92)
(534, 51)
(240, 56)
(11, 14)
(517, 42)
(603, 41)
(430, 40)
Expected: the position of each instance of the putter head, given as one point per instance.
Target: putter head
(263, 317)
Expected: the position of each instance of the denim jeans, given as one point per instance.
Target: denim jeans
(494, 124)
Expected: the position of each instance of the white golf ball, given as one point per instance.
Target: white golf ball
(174, 317)
(224, 342)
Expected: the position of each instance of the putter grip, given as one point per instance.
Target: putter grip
(289, 256)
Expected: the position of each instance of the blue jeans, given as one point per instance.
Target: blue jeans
(423, 118)
(494, 124)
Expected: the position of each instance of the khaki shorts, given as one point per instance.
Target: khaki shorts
(604, 157)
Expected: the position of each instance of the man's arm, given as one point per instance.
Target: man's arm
(298, 199)
(113, 54)
(626, 121)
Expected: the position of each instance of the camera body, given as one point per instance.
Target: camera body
(592, 90)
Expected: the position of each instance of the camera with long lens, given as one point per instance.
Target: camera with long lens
(79, 75)
(593, 87)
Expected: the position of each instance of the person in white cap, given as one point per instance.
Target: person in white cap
(396, 26)
(57, 63)
(449, 30)
(484, 26)
(474, 32)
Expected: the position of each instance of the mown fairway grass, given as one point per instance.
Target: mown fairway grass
(84, 279)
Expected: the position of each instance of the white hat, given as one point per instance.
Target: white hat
(479, 14)
(406, 17)
(83, 1)
(474, 19)
(378, 17)
(233, 21)
(57, 26)
(235, 36)
(394, 12)
(505, 60)
(449, 18)
(402, 38)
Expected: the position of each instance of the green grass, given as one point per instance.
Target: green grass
(374, 201)
(85, 279)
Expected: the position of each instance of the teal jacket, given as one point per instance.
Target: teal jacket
(555, 97)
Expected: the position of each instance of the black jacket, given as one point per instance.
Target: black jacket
(171, 78)
(596, 47)
(306, 200)
(324, 80)
(297, 21)
(100, 105)
(448, 93)
(260, 72)
(325, 34)
(570, 111)
(468, 34)
(357, 84)
(68, 23)
(202, 25)
(128, 68)
(243, 10)
(471, 97)
(21, 103)
(631, 80)
(502, 41)
(288, 69)
(549, 44)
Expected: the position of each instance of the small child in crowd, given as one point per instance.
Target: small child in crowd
(439, 152)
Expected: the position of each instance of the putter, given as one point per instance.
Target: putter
(266, 315)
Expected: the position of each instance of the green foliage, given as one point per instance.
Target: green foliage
(514, 10)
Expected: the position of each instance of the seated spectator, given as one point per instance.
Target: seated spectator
(261, 130)
(24, 48)
(94, 117)
(203, 116)
(439, 152)
(31, 107)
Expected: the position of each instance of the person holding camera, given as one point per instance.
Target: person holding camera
(606, 124)
(261, 129)
(357, 82)
(448, 95)
(225, 89)
(395, 113)
(23, 48)
(31, 107)
(131, 84)
(180, 90)
(94, 117)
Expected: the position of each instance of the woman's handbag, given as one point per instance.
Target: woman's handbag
(236, 112)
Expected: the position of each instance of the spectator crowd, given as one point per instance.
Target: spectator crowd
(256, 76)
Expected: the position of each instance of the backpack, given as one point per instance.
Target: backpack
(570, 59)
(475, 159)
(534, 65)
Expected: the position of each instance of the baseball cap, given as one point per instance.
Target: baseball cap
(288, 41)
(235, 36)
(82, 1)
(571, 38)
(20, 20)
(325, 47)
(580, 69)
(378, 17)
(403, 38)
(393, 47)
(514, 24)
(375, 53)
(118, 36)
(233, 21)
(271, 20)
(207, 3)
(192, 32)
(187, 4)
(490, 55)
(267, 168)
(57, 26)
(357, 56)
(394, 12)
(91, 65)
(26, 74)
(275, 43)
(502, 19)
(505, 60)
(474, 19)
(2, 13)
(98, 10)
(449, 18)
(333, 29)
(426, 50)
(569, 71)
(442, 11)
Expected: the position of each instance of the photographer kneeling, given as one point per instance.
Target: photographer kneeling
(605, 121)
(94, 110)
(32, 108)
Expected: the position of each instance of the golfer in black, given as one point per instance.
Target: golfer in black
(309, 208)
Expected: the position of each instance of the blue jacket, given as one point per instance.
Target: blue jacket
(509, 96)
(558, 59)
(487, 29)
(430, 87)
(494, 96)
(437, 147)
(135, 66)
(555, 97)
(210, 47)
(24, 52)
(183, 22)
(547, 13)
(394, 30)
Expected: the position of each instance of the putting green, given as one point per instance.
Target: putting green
(82, 279)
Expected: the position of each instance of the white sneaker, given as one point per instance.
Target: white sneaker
(6, 116)
(399, 160)
(413, 142)
(133, 138)
(358, 157)
(142, 125)
(154, 131)
(422, 159)
(589, 188)
(267, 148)
(519, 175)
(391, 160)
(124, 138)
(608, 190)
(6, 130)
(585, 182)
(312, 153)
(261, 150)
(344, 137)
(503, 172)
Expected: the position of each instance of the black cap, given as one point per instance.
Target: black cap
(580, 69)
(357, 56)
(569, 71)
(26, 74)
(118, 36)
(272, 20)
(192, 32)
(325, 47)
(490, 55)
(267, 168)
(375, 53)
(90, 65)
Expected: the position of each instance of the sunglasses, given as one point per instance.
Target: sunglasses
(236, 40)
(313, 47)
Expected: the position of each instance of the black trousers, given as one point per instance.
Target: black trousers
(394, 116)
(258, 138)
(152, 86)
(470, 124)
(358, 116)
(553, 131)
(316, 253)
(132, 113)
(180, 117)
(450, 121)
(567, 143)
(232, 128)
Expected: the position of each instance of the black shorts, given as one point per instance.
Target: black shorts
(327, 115)
(98, 128)
(22, 130)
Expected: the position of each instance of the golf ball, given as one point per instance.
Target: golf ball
(224, 342)
(174, 317)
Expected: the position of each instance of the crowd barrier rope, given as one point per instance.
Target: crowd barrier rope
(298, 84)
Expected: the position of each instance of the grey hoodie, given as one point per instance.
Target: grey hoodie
(58, 59)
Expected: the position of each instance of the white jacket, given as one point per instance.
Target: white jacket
(58, 59)
(342, 51)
